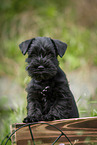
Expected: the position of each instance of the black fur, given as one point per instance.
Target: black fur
(49, 96)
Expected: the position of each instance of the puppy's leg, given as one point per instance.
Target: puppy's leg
(33, 110)
(60, 109)
(64, 107)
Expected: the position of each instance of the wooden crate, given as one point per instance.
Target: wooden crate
(80, 131)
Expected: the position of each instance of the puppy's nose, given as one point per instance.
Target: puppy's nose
(41, 67)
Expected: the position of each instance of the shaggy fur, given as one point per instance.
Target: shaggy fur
(49, 96)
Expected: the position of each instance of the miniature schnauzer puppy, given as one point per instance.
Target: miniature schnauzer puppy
(49, 96)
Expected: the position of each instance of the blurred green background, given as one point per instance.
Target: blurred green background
(71, 21)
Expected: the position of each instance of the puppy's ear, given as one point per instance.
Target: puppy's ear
(60, 47)
(24, 46)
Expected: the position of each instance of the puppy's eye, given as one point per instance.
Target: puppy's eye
(33, 55)
(50, 53)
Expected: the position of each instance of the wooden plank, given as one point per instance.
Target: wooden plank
(80, 131)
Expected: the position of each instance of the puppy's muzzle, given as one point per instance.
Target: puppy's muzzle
(41, 67)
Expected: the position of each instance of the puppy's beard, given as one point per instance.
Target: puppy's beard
(42, 75)
(48, 71)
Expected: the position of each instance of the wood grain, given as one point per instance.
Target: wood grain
(80, 131)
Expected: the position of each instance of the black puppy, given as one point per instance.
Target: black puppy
(49, 96)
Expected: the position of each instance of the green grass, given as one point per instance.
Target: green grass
(9, 117)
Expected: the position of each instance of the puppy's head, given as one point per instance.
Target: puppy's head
(42, 56)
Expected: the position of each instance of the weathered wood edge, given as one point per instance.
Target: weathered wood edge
(83, 118)
(70, 132)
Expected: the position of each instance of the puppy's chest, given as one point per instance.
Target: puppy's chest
(45, 94)
(44, 90)
(46, 99)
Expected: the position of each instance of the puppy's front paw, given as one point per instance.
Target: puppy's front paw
(50, 117)
(26, 120)
(32, 118)
(29, 119)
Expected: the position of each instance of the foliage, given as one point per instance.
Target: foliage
(12, 116)
(26, 19)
